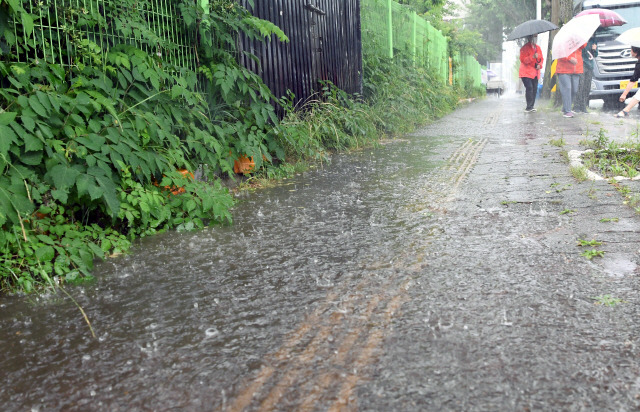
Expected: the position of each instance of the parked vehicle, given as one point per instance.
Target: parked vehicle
(495, 86)
(614, 64)
(494, 82)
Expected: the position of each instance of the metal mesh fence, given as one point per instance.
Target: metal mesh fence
(63, 26)
(467, 71)
(374, 21)
(389, 28)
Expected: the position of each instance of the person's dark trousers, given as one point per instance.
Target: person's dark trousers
(531, 88)
(582, 99)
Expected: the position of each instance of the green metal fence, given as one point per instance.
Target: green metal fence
(467, 71)
(63, 26)
(389, 28)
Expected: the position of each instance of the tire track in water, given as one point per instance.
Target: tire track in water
(492, 119)
(349, 357)
(351, 349)
(463, 159)
(283, 371)
(366, 356)
(316, 347)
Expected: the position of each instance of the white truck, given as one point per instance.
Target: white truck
(495, 84)
(614, 64)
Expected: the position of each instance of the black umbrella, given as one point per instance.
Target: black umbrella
(531, 27)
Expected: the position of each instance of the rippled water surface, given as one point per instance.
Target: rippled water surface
(185, 315)
(391, 279)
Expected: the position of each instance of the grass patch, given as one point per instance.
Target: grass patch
(583, 242)
(559, 188)
(558, 142)
(607, 300)
(579, 173)
(611, 159)
(591, 253)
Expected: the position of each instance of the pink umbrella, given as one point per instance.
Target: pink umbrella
(574, 34)
(607, 17)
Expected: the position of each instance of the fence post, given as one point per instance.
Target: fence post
(415, 32)
(390, 26)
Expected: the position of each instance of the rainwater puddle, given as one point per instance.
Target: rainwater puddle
(618, 266)
(185, 316)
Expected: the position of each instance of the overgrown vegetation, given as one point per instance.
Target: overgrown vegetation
(104, 149)
(579, 173)
(611, 159)
(122, 144)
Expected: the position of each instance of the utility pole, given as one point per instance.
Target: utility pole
(538, 9)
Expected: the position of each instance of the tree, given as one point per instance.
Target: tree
(493, 19)
(423, 6)
(561, 12)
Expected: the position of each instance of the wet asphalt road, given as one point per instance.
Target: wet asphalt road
(439, 271)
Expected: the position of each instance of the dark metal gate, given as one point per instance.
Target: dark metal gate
(324, 44)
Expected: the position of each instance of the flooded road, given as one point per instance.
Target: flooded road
(436, 272)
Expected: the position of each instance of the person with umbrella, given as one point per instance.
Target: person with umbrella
(530, 64)
(589, 53)
(530, 56)
(569, 69)
(567, 47)
(635, 52)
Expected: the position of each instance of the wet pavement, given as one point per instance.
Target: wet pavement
(440, 271)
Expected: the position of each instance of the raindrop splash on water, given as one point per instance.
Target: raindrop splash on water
(211, 332)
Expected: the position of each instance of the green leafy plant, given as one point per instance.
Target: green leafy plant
(557, 142)
(590, 254)
(593, 242)
(602, 140)
(609, 219)
(89, 151)
(579, 173)
(607, 300)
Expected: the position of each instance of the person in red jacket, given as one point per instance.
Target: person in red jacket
(530, 64)
(569, 69)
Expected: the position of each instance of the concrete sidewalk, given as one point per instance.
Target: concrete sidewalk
(539, 172)
(507, 313)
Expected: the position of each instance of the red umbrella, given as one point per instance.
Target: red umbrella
(607, 17)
